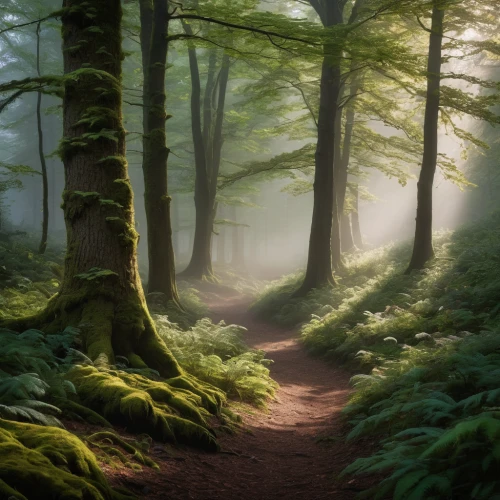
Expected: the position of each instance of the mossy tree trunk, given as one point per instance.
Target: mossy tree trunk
(208, 142)
(43, 163)
(101, 292)
(319, 263)
(154, 47)
(423, 249)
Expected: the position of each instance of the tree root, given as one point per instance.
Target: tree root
(49, 463)
(104, 441)
(159, 409)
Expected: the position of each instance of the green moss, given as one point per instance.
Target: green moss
(108, 442)
(161, 409)
(75, 202)
(126, 232)
(123, 192)
(48, 463)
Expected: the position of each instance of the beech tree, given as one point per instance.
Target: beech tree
(208, 141)
(422, 248)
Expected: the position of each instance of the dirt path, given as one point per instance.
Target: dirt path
(280, 456)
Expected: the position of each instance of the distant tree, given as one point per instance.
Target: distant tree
(43, 163)
(208, 141)
(154, 46)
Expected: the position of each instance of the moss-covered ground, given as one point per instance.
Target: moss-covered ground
(46, 380)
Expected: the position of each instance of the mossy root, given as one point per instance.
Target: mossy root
(48, 463)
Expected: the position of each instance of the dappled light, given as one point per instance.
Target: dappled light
(249, 249)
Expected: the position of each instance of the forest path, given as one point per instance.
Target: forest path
(278, 454)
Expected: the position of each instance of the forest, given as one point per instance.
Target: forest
(249, 249)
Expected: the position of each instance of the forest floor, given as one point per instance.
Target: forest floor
(294, 449)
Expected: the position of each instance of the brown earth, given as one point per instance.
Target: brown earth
(296, 449)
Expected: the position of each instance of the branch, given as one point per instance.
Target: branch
(37, 21)
(266, 33)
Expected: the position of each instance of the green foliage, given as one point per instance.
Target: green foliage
(27, 279)
(428, 347)
(33, 367)
(47, 463)
(216, 353)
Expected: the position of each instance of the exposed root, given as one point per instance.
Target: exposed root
(105, 440)
(164, 410)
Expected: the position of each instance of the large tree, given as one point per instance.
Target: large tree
(101, 292)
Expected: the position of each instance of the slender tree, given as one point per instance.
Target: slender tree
(154, 46)
(207, 117)
(423, 249)
(356, 228)
(41, 154)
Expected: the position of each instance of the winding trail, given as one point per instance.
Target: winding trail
(282, 453)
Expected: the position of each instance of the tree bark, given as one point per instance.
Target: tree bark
(221, 239)
(338, 203)
(101, 292)
(319, 263)
(41, 154)
(154, 47)
(356, 228)
(423, 249)
(342, 165)
(238, 244)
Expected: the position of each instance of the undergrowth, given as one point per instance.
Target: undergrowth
(46, 380)
(217, 354)
(427, 350)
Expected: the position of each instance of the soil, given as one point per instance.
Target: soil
(295, 449)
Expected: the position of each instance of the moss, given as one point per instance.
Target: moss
(75, 202)
(123, 192)
(158, 408)
(103, 437)
(72, 409)
(126, 232)
(48, 463)
(97, 326)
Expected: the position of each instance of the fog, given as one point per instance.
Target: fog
(272, 225)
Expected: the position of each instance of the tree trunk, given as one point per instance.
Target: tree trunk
(207, 140)
(154, 46)
(176, 224)
(356, 228)
(41, 154)
(342, 166)
(238, 242)
(200, 264)
(221, 240)
(346, 236)
(101, 292)
(422, 248)
(338, 204)
(319, 263)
